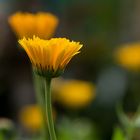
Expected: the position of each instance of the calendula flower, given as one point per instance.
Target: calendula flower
(128, 56)
(50, 57)
(31, 117)
(75, 93)
(41, 24)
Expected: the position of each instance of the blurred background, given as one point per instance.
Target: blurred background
(102, 27)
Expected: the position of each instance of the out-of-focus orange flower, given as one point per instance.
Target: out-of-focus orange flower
(31, 117)
(40, 24)
(128, 56)
(75, 93)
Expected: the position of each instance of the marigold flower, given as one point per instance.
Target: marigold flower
(128, 56)
(50, 57)
(40, 24)
(75, 93)
(31, 117)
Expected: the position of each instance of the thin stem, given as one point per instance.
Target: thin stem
(40, 94)
(50, 122)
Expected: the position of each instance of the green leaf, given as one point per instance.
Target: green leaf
(1, 136)
(76, 129)
(136, 119)
(118, 134)
(137, 122)
(122, 116)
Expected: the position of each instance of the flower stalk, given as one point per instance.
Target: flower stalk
(47, 85)
(41, 102)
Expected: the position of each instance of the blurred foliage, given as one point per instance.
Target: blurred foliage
(129, 122)
(7, 129)
(76, 129)
(118, 134)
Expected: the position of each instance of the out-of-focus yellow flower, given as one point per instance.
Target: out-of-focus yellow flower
(50, 57)
(40, 24)
(31, 118)
(128, 56)
(75, 93)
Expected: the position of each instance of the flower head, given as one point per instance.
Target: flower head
(40, 24)
(74, 94)
(50, 57)
(31, 117)
(128, 56)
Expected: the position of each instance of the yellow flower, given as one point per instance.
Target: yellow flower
(40, 24)
(75, 93)
(50, 57)
(129, 56)
(31, 118)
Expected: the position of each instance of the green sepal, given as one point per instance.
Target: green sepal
(49, 73)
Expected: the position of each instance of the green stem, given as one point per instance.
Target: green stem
(40, 94)
(50, 122)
